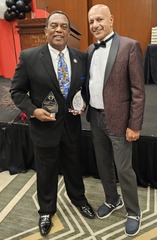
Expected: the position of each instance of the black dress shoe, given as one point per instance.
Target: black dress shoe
(45, 224)
(87, 211)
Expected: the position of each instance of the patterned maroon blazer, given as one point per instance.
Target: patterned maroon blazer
(123, 92)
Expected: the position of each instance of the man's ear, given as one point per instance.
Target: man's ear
(45, 30)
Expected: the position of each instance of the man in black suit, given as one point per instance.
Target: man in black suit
(56, 137)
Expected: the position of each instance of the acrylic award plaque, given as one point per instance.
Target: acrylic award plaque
(77, 102)
(50, 104)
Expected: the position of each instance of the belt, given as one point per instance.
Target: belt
(98, 110)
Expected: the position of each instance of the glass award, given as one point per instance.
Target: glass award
(50, 104)
(77, 102)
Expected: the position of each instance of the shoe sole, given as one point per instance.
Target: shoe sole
(115, 209)
(131, 235)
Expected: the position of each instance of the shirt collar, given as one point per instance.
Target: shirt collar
(108, 36)
(55, 51)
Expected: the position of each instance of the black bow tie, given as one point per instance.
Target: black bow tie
(102, 43)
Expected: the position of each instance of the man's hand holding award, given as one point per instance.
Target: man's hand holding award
(48, 110)
(78, 104)
(50, 104)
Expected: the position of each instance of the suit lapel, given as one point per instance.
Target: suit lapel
(47, 62)
(74, 61)
(90, 54)
(112, 56)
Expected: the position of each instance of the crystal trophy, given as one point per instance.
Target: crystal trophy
(50, 104)
(77, 102)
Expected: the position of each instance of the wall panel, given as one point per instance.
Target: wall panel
(154, 13)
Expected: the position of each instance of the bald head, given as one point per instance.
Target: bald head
(100, 21)
(98, 7)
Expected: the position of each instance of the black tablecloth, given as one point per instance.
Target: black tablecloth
(150, 64)
(16, 148)
(17, 155)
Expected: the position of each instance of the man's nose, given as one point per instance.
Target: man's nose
(59, 28)
(95, 23)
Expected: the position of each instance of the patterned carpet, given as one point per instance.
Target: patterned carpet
(19, 217)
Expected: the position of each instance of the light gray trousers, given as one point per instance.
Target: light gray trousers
(114, 158)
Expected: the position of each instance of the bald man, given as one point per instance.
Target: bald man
(116, 99)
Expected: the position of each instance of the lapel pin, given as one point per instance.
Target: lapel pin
(75, 61)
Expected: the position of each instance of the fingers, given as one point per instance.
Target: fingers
(132, 139)
(132, 135)
(135, 139)
(75, 112)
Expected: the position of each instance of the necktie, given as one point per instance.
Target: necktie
(102, 43)
(63, 75)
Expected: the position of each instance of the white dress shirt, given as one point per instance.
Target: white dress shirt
(97, 73)
(55, 57)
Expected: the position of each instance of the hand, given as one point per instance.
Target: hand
(43, 115)
(75, 112)
(132, 135)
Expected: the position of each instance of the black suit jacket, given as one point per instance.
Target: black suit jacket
(34, 79)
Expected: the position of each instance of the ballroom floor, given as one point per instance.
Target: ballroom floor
(19, 216)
